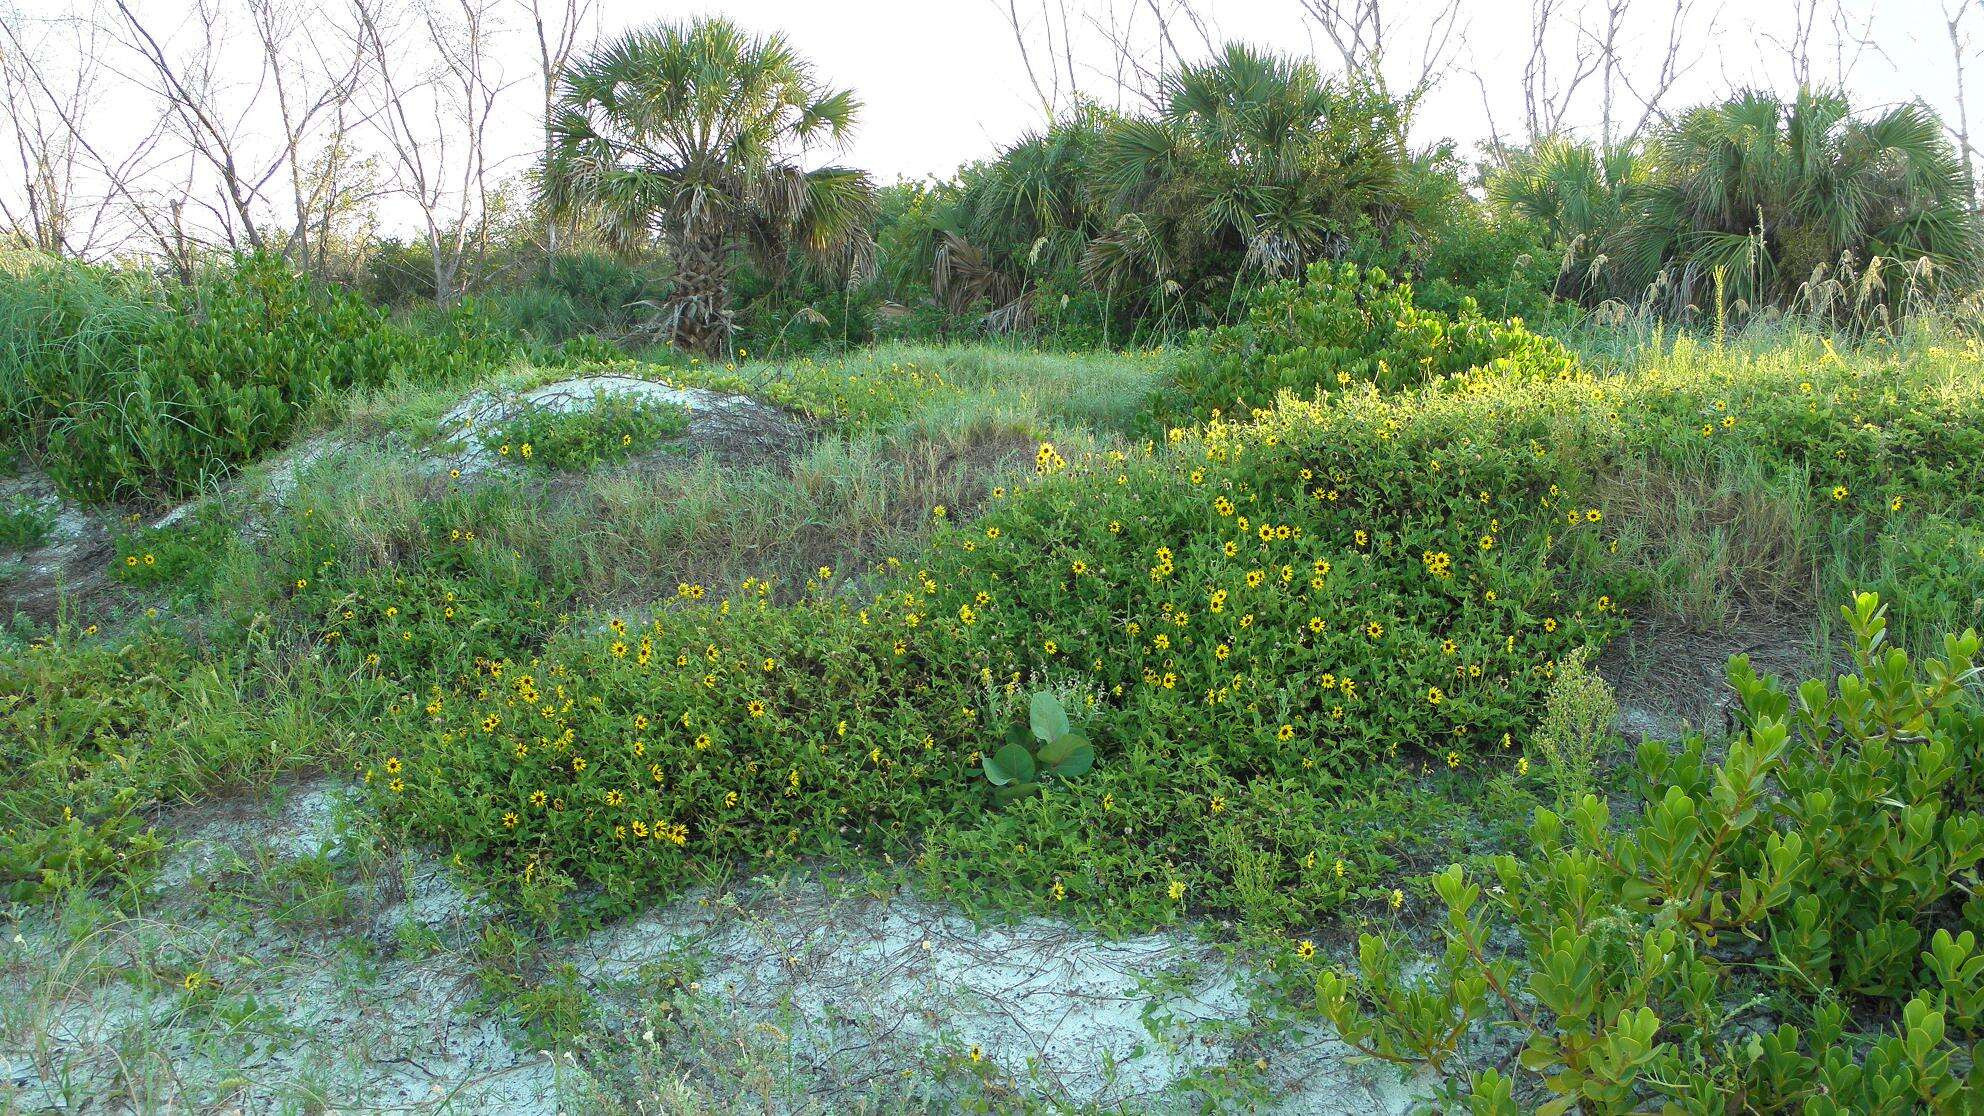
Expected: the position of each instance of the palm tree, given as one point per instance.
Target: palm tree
(1771, 195)
(1577, 193)
(1013, 219)
(1253, 163)
(693, 135)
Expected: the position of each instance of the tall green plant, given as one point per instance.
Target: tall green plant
(696, 134)
(127, 389)
(1253, 163)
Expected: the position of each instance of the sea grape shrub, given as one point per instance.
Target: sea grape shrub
(1789, 929)
(1040, 746)
(1340, 327)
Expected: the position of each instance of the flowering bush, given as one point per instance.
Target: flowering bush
(637, 757)
(1247, 622)
(1297, 644)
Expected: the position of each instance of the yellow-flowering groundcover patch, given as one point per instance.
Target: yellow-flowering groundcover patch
(1258, 624)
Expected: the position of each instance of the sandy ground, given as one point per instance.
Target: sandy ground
(333, 976)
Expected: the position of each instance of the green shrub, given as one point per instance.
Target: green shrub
(635, 758)
(1577, 720)
(1343, 326)
(1037, 748)
(607, 427)
(123, 390)
(25, 527)
(1705, 957)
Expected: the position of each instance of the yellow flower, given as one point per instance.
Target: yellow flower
(1398, 898)
(1839, 492)
(1305, 949)
(1177, 890)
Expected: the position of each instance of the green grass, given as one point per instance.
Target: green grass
(610, 427)
(972, 525)
(25, 527)
(98, 735)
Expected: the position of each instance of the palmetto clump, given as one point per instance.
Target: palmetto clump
(695, 135)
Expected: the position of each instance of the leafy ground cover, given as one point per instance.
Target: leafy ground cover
(1314, 649)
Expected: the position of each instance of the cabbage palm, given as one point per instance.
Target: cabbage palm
(1027, 213)
(1773, 194)
(1253, 162)
(693, 135)
(1576, 192)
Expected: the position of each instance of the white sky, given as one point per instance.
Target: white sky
(942, 81)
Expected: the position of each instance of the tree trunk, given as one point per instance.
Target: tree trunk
(700, 305)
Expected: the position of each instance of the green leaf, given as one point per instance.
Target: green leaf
(1010, 764)
(1077, 763)
(1014, 793)
(1053, 753)
(1050, 721)
(1018, 733)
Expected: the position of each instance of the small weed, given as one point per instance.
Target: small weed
(606, 428)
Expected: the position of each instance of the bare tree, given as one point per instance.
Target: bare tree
(1044, 77)
(1365, 37)
(79, 196)
(1803, 42)
(1961, 49)
(1673, 61)
(559, 25)
(208, 112)
(1131, 45)
(313, 92)
(434, 121)
(46, 155)
(255, 115)
(1549, 90)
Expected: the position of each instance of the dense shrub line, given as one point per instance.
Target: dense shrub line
(127, 389)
